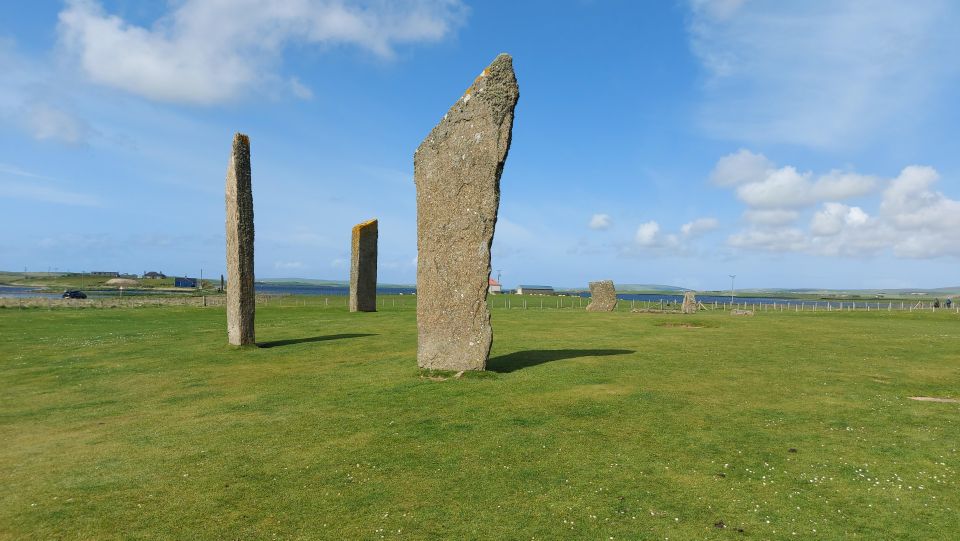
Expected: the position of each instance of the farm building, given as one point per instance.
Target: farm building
(111, 274)
(494, 286)
(534, 290)
(154, 275)
(185, 282)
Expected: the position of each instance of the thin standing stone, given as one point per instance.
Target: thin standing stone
(457, 173)
(241, 300)
(363, 267)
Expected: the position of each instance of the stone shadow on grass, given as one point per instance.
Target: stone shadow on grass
(519, 360)
(324, 338)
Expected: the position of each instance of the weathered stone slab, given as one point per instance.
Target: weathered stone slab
(603, 297)
(457, 173)
(363, 267)
(241, 302)
(689, 305)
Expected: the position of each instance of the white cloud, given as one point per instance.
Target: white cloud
(699, 227)
(838, 185)
(741, 167)
(600, 221)
(287, 265)
(761, 184)
(209, 51)
(913, 220)
(821, 73)
(788, 188)
(911, 204)
(834, 217)
(647, 233)
(651, 238)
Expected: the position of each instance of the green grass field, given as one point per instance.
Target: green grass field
(143, 423)
(61, 282)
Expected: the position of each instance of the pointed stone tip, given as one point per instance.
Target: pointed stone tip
(501, 70)
(503, 61)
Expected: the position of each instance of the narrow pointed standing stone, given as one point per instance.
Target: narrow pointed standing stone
(457, 172)
(241, 300)
(363, 267)
(603, 296)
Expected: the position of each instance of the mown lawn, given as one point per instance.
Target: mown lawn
(143, 423)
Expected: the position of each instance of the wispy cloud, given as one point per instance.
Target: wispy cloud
(699, 227)
(820, 73)
(209, 51)
(34, 100)
(18, 183)
(16, 171)
(45, 122)
(287, 265)
(300, 90)
(46, 194)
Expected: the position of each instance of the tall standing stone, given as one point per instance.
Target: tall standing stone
(457, 173)
(241, 299)
(363, 267)
(689, 305)
(603, 297)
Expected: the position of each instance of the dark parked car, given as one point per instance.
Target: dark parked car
(74, 294)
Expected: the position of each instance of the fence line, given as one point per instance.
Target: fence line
(494, 302)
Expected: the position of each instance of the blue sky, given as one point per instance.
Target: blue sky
(793, 144)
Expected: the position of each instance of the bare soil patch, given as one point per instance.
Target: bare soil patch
(681, 325)
(122, 282)
(935, 399)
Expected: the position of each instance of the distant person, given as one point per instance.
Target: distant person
(949, 302)
(936, 303)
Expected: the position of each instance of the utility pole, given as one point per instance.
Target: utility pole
(732, 277)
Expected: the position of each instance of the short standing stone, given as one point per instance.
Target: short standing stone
(457, 173)
(363, 267)
(689, 305)
(603, 297)
(241, 300)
